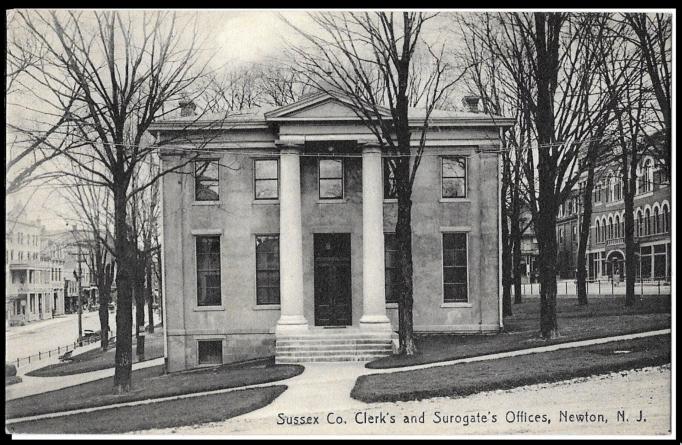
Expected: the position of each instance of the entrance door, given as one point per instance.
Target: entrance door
(332, 279)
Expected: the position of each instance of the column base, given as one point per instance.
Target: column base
(291, 323)
(375, 323)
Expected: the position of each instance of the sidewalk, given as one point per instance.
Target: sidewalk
(322, 387)
(36, 385)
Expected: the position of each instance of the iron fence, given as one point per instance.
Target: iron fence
(60, 350)
(652, 286)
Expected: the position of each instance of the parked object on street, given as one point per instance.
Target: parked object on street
(66, 357)
(10, 370)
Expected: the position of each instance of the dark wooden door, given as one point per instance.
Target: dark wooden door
(332, 279)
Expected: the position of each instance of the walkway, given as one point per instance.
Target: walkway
(322, 387)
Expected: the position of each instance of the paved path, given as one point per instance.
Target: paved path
(322, 387)
(36, 385)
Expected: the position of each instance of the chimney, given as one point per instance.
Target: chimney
(187, 107)
(471, 103)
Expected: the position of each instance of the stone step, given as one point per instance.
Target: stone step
(334, 348)
(309, 359)
(331, 343)
(333, 352)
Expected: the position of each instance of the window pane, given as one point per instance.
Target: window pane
(454, 267)
(454, 188)
(206, 181)
(331, 188)
(454, 241)
(266, 169)
(208, 270)
(454, 167)
(210, 352)
(266, 189)
(267, 269)
(390, 188)
(331, 168)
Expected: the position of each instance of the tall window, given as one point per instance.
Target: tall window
(657, 223)
(666, 218)
(617, 235)
(647, 221)
(331, 178)
(208, 270)
(391, 266)
(267, 269)
(597, 237)
(390, 188)
(640, 224)
(454, 179)
(455, 268)
(206, 182)
(266, 174)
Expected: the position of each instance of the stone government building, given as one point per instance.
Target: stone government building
(279, 238)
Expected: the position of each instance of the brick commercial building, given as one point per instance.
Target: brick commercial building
(279, 240)
(606, 244)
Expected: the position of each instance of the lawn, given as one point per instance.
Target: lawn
(96, 359)
(174, 413)
(147, 383)
(469, 378)
(602, 317)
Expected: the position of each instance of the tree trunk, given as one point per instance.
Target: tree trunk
(629, 187)
(149, 294)
(585, 222)
(104, 317)
(124, 312)
(506, 252)
(403, 230)
(548, 320)
(516, 240)
(139, 310)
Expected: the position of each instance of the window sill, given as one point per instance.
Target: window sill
(454, 200)
(208, 308)
(266, 307)
(390, 201)
(206, 203)
(331, 201)
(455, 305)
(265, 202)
(391, 305)
(644, 194)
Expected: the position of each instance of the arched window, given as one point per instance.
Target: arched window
(666, 218)
(648, 175)
(640, 223)
(647, 222)
(617, 234)
(597, 232)
(603, 230)
(609, 190)
(617, 190)
(610, 235)
(657, 222)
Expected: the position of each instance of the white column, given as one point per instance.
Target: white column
(290, 242)
(373, 292)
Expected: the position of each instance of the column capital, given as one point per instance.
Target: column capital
(289, 147)
(369, 147)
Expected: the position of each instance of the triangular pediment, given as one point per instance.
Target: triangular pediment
(321, 106)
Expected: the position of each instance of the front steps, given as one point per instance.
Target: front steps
(332, 345)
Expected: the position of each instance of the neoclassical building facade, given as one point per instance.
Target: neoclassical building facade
(278, 233)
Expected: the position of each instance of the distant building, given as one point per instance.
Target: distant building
(33, 272)
(606, 243)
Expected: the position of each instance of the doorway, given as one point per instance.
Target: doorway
(333, 301)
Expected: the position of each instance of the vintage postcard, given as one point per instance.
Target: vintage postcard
(339, 223)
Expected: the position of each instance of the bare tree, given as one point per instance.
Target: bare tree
(653, 37)
(552, 59)
(368, 58)
(125, 68)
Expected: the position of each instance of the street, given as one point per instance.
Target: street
(41, 336)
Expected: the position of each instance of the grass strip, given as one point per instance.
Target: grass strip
(603, 317)
(169, 414)
(147, 383)
(470, 378)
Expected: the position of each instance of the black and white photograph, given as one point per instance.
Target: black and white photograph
(339, 223)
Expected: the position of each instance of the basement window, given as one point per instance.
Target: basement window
(210, 352)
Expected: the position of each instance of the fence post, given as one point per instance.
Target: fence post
(58, 351)
(17, 363)
(29, 359)
(565, 287)
(612, 287)
(659, 287)
(598, 287)
(38, 355)
(641, 288)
